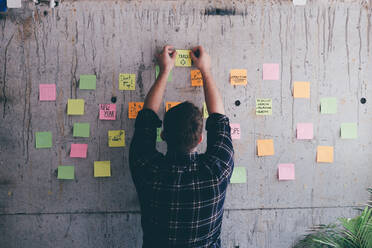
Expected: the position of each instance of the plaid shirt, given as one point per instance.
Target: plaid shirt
(181, 196)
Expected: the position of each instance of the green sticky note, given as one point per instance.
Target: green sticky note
(264, 106)
(239, 175)
(349, 130)
(328, 105)
(66, 172)
(87, 82)
(205, 111)
(81, 129)
(158, 135)
(43, 139)
(157, 71)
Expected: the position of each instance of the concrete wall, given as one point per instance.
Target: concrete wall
(326, 43)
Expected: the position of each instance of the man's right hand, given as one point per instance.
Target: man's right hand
(202, 61)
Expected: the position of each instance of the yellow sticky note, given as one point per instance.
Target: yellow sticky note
(205, 111)
(324, 154)
(196, 78)
(169, 105)
(127, 81)
(116, 138)
(134, 108)
(75, 106)
(183, 58)
(102, 169)
(301, 90)
(265, 147)
(238, 77)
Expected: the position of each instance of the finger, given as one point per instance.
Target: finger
(193, 57)
(166, 48)
(174, 56)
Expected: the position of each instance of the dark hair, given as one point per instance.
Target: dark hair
(183, 125)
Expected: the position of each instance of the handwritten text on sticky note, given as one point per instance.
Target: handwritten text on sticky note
(47, 92)
(196, 78)
(127, 81)
(265, 147)
(235, 130)
(264, 106)
(107, 111)
(183, 58)
(116, 138)
(134, 108)
(238, 77)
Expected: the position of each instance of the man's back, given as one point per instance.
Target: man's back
(181, 196)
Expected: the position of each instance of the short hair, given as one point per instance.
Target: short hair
(183, 126)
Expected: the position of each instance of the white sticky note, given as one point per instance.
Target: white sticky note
(14, 4)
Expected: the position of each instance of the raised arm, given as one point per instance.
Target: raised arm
(212, 96)
(166, 60)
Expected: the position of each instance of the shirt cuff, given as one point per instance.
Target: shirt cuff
(147, 118)
(217, 121)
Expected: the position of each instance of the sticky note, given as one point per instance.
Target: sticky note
(196, 78)
(265, 147)
(75, 106)
(264, 106)
(127, 81)
(157, 71)
(158, 135)
(116, 138)
(169, 105)
(134, 108)
(299, 2)
(43, 139)
(305, 131)
(328, 105)
(286, 171)
(14, 4)
(238, 77)
(66, 172)
(239, 175)
(79, 150)
(107, 111)
(87, 82)
(102, 169)
(183, 58)
(324, 154)
(205, 111)
(270, 72)
(301, 90)
(349, 130)
(81, 129)
(47, 92)
(235, 130)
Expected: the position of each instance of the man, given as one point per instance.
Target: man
(182, 193)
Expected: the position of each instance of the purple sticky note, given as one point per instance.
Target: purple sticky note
(79, 150)
(47, 92)
(286, 171)
(270, 72)
(235, 130)
(107, 111)
(305, 131)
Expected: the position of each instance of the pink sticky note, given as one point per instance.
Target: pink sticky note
(286, 172)
(47, 92)
(235, 130)
(270, 72)
(107, 111)
(305, 131)
(79, 150)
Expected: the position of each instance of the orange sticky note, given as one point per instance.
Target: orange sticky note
(169, 105)
(265, 147)
(324, 154)
(134, 108)
(238, 77)
(196, 78)
(301, 90)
